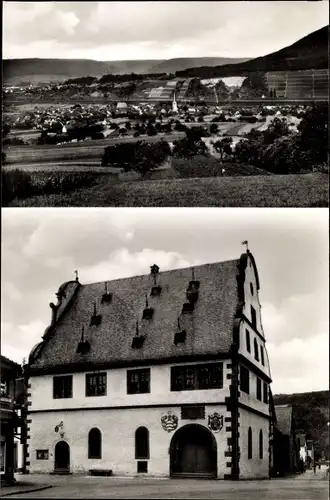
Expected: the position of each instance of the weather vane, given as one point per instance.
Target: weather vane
(246, 243)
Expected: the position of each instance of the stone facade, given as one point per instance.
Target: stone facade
(217, 434)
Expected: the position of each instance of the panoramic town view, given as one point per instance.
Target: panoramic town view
(203, 131)
(165, 250)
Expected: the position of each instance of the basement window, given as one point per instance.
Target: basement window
(42, 454)
(142, 466)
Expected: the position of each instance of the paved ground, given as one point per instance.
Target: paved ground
(308, 486)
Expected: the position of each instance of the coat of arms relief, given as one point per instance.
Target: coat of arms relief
(215, 422)
(169, 421)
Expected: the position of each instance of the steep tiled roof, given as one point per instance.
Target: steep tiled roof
(284, 419)
(209, 328)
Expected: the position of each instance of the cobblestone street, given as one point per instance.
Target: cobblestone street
(308, 486)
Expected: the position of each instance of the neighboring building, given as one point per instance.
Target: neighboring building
(302, 446)
(310, 452)
(165, 374)
(286, 451)
(12, 390)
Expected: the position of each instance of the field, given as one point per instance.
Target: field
(309, 190)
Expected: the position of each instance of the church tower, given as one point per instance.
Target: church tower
(174, 105)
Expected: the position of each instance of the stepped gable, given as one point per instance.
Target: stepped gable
(109, 325)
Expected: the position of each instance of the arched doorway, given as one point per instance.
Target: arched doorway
(193, 452)
(62, 456)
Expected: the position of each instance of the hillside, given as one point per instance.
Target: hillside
(18, 71)
(311, 415)
(310, 52)
(182, 63)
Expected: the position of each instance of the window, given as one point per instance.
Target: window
(262, 355)
(142, 443)
(244, 380)
(247, 340)
(62, 387)
(42, 454)
(96, 384)
(261, 445)
(249, 443)
(4, 388)
(138, 381)
(142, 467)
(251, 288)
(94, 443)
(256, 350)
(265, 393)
(258, 389)
(194, 377)
(253, 317)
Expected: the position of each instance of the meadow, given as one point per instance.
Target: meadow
(305, 190)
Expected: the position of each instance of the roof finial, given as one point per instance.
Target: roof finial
(154, 270)
(193, 274)
(106, 287)
(247, 244)
(76, 273)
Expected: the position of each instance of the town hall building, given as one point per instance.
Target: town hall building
(165, 374)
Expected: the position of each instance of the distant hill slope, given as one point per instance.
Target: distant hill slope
(311, 416)
(182, 63)
(16, 71)
(317, 398)
(310, 52)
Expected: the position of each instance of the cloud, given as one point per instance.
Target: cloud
(299, 365)
(122, 263)
(42, 247)
(139, 30)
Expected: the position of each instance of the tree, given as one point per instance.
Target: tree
(139, 156)
(214, 128)
(192, 144)
(223, 146)
(278, 128)
(313, 130)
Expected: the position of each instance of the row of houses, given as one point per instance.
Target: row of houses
(165, 374)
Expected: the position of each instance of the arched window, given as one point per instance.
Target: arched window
(256, 351)
(94, 443)
(261, 445)
(142, 443)
(250, 443)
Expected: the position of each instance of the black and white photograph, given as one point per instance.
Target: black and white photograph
(165, 250)
(160, 347)
(115, 104)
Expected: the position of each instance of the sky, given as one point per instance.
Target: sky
(108, 31)
(41, 249)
